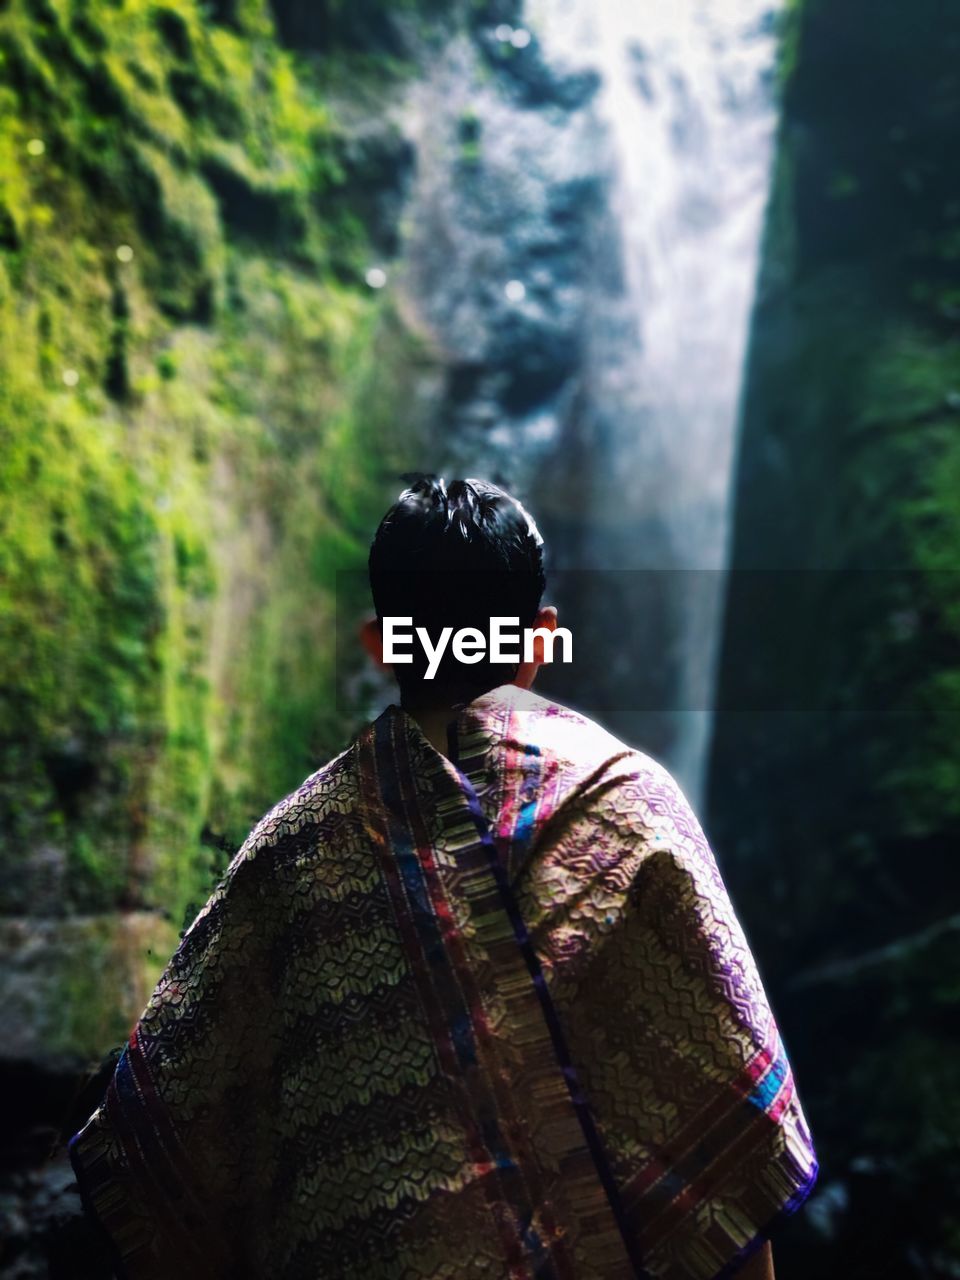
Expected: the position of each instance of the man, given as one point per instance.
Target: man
(471, 1002)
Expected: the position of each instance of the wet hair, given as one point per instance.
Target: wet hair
(454, 556)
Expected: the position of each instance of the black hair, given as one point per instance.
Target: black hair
(455, 555)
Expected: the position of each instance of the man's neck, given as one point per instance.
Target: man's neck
(434, 721)
(435, 718)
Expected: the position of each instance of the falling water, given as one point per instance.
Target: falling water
(688, 105)
(582, 247)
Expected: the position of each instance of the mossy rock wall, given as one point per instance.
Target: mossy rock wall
(835, 779)
(202, 411)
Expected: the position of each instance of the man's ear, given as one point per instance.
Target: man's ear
(546, 619)
(371, 637)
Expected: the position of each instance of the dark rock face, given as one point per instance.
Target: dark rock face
(499, 236)
(528, 77)
(44, 1233)
(376, 163)
(835, 770)
(324, 25)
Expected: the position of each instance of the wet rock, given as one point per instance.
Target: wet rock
(532, 80)
(376, 163)
(44, 1232)
(39, 885)
(497, 233)
(74, 986)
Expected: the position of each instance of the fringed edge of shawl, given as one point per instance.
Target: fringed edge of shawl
(765, 1232)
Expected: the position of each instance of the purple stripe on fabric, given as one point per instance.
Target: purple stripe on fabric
(455, 1005)
(568, 1070)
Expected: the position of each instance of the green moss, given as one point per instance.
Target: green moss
(195, 389)
(845, 812)
(790, 26)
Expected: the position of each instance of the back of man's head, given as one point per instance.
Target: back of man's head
(454, 556)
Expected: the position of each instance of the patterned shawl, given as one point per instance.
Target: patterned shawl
(489, 1015)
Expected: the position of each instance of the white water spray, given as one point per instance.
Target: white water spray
(687, 99)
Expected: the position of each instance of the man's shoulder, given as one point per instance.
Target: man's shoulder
(319, 806)
(591, 776)
(327, 790)
(571, 737)
(590, 768)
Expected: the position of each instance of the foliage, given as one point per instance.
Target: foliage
(186, 357)
(837, 796)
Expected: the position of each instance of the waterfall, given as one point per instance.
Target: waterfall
(687, 100)
(581, 248)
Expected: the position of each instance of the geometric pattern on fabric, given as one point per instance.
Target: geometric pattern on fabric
(490, 1018)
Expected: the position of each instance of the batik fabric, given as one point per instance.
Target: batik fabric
(487, 1013)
